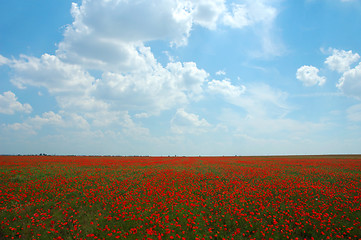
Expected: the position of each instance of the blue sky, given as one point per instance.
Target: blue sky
(166, 77)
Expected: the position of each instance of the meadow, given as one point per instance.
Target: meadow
(83, 197)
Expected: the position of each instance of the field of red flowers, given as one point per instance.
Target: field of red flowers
(68, 197)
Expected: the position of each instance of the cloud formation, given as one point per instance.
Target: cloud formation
(9, 104)
(183, 122)
(341, 60)
(225, 88)
(259, 15)
(207, 13)
(249, 13)
(350, 82)
(3, 60)
(50, 72)
(308, 75)
(257, 99)
(109, 37)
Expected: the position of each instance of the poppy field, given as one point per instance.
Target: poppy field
(83, 197)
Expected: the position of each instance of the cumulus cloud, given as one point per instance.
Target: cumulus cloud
(153, 91)
(10, 105)
(110, 36)
(133, 21)
(225, 88)
(188, 76)
(308, 75)
(47, 118)
(84, 122)
(341, 60)
(207, 13)
(350, 82)
(153, 88)
(32, 124)
(84, 103)
(50, 72)
(184, 122)
(132, 129)
(77, 121)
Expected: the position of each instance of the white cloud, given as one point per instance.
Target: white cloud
(21, 127)
(152, 88)
(32, 124)
(3, 60)
(225, 88)
(189, 77)
(10, 105)
(257, 99)
(308, 75)
(350, 82)
(104, 118)
(47, 118)
(77, 121)
(109, 36)
(68, 124)
(103, 55)
(250, 13)
(184, 122)
(260, 16)
(81, 102)
(153, 91)
(262, 101)
(207, 13)
(341, 60)
(129, 22)
(220, 73)
(61, 120)
(50, 72)
(238, 18)
(354, 113)
(132, 129)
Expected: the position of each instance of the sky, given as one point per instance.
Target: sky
(180, 77)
